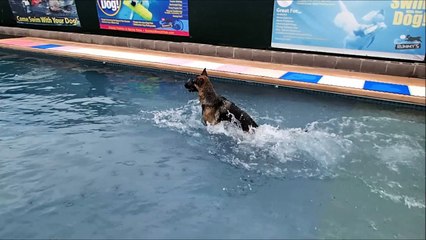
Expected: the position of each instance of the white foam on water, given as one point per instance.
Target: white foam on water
(91, 100)
(383, 138)
(186, 119)
(286, 144)
(8, 88)
(391, 156)
(46, 88)
(399, 154)
(408, 201)
(34, 75)
(268, 149)
(378, 150)
(412, 202)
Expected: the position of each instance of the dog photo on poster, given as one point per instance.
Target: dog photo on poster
(45, 12)
(386, 28)
(169, 17)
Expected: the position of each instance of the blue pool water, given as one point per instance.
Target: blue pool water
(92, 151)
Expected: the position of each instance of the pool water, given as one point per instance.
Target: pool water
(92, 151)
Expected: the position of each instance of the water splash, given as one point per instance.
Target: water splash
(185, 119)
(269, 150)
(379, 151)
(395, 195)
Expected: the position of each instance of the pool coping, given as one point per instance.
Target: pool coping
(361, 64)
(373, 86)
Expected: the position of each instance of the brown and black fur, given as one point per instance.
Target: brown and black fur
(216, 108)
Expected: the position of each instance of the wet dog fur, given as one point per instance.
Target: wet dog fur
(216, 108)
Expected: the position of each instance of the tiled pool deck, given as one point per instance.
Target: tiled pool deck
(382, 87)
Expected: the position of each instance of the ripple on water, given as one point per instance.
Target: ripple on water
(269, 150)
(370, 147)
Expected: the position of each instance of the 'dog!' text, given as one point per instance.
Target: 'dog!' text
(409, 12)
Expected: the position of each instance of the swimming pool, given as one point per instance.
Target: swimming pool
(91, 151)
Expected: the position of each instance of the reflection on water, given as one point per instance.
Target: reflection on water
(97, 151)
(99, 83)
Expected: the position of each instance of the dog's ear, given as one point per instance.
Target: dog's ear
(204, 73)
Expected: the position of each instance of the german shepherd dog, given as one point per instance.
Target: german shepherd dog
(216, 108)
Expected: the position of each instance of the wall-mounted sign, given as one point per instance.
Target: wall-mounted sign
(45, 12)
(168, 17)
(385, 28)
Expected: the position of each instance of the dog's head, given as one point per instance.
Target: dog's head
(193, 85)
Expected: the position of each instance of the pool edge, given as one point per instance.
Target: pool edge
(358, 93)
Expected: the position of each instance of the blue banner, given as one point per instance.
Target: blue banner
(168, 17)
(380, 28)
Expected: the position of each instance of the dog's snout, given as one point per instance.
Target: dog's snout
(190, 85)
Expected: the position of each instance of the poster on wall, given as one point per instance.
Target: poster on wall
(45, 12)
(380, 28)
(169, 17)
